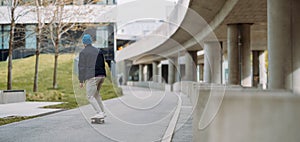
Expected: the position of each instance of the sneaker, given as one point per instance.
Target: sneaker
(103, 114)
(98, 115)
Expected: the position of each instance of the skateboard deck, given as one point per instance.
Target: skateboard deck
(97, 120)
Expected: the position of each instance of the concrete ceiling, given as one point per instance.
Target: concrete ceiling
(217, 13)
(245, 11)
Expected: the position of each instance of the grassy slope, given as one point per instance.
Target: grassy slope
(23, 72)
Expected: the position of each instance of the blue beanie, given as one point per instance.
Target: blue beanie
(87, 39)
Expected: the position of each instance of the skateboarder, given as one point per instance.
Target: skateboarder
(92, 72)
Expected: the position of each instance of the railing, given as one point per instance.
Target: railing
(148, 84)
(233, 113)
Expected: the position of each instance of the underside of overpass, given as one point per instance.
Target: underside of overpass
(227, 44)
(241, 29)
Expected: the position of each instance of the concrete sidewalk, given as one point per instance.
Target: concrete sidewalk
(26, 109)
(184, 129)
(140, 115)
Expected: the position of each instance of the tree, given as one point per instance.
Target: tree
(58, 26)
(61, 21)
(14, 15)
(40, 25)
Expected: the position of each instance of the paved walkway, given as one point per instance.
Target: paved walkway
(184, 129)
(140, 115)
(26, 109)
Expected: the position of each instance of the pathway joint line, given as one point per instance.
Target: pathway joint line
(170, 130)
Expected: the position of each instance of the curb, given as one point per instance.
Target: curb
(172, 125)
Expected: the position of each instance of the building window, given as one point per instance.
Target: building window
(102, 37)
(5, 3)
(4, 38)
(30, 41)
(19, 36)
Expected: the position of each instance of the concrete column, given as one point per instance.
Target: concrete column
(160, 78)
(126, 72)
(225, 68)
(154, 72)
(255, 67)
(262, 70)
(246, 55)
(150, 72)
(239, 62)
(171, 71)
(123, 70)
(259, 69)
(201, 72)
(190, 65)
(284, 44)
(233, 55)
(141, 73)
(296, 46)
(145, 72)
(177, 69)
(198, 73)
(212, 62)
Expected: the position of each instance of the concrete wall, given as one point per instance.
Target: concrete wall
(12, 96)
(149, 84)
(187, 87)
(246, 115)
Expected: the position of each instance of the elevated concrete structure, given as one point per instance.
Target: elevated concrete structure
(190, 30)
(212, 62)
(239, 54)
(248, 31)
(237, 114)
(284, 45)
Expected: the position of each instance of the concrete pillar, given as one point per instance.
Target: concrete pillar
(212, 62)
(145, 72)
(255, 67)
(123, 68)
(259, 69)
(177, 70)
(246, 78)
(239, 62)
(284, 44)
(141, 73)
(233, 55)
(296, 46)
(150, 72)
(262, 70)
(171, 71)
(154, 72)
(201, 72)
(190, 65)
(225, 68)
(160, 78)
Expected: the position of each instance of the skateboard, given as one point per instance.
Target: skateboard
(97, 120)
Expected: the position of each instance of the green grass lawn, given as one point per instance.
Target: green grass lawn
(68, 87)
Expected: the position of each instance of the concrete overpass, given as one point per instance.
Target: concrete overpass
(240, 44)
(238, 24)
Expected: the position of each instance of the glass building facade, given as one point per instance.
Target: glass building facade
(4, 38)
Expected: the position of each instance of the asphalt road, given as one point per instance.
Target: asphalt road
(141, 114)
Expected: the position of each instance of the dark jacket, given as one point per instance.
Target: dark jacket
(91, 63)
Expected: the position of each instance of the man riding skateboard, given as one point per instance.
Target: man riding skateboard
(92, 73)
